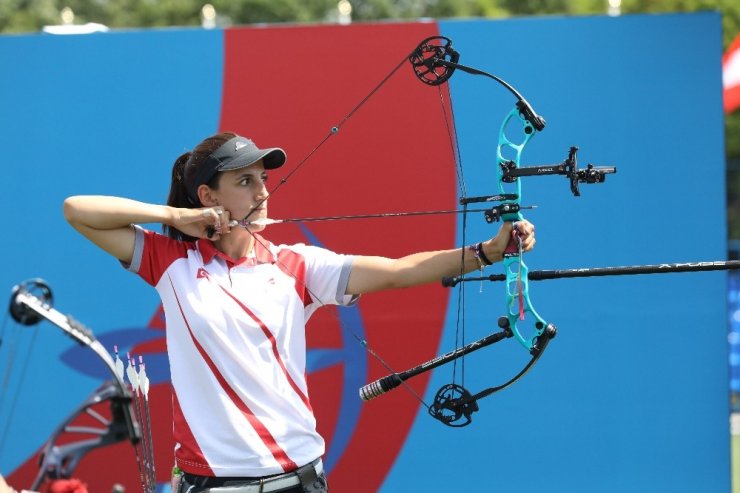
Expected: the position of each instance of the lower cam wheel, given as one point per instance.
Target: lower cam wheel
(453, 405)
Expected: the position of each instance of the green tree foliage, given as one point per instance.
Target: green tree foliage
(30, 15)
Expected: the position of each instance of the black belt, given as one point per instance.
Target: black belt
(277, 482)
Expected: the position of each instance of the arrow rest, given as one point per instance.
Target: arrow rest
(495, 213)
(426, 60)
(38, 288)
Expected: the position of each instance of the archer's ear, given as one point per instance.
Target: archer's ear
(206, 196)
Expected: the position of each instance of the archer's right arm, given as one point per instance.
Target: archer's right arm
(106, 221)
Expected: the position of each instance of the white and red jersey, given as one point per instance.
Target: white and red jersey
(237, 349)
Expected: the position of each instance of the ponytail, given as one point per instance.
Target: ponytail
(178, 196)
(184, 169)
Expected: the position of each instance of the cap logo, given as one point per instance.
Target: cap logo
(239, 144)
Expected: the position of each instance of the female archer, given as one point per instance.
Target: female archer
(236, 306)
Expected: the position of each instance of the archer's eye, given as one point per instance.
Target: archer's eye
(247, 180)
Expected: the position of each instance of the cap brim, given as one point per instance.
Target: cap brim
(271, 158)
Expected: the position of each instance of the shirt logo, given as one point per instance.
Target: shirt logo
(202, 273)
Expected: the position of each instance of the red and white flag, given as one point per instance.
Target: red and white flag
(731, 76)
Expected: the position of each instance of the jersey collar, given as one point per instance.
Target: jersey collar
(262, 253)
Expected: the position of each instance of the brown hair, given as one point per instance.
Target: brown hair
(184, 170)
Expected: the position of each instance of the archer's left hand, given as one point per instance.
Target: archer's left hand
(525, 230)
(507, 237)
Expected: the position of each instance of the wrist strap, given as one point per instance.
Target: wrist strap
(479, 253)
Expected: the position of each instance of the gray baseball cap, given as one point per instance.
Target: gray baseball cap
(238, 152)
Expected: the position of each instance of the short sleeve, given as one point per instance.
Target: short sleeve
(327, 274)
(153, 253)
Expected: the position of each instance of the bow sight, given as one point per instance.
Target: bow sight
(591, 174)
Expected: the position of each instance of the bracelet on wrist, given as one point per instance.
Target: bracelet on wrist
(481, 255)
(474, 250)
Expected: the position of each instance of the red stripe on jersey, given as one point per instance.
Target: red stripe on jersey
(273, 343)
(168, 250)
(189, 456)
(277, 452)
(294, 265)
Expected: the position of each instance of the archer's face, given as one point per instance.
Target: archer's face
(241, 190)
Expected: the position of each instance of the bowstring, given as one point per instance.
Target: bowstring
(455, 147)
(21, 380)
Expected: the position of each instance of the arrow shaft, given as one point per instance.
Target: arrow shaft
(358, 216)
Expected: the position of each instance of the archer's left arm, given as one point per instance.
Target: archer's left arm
(379, 273)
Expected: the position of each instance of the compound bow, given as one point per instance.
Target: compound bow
(31, 301)
(434, 61)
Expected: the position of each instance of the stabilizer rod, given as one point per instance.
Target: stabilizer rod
(628, 270)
